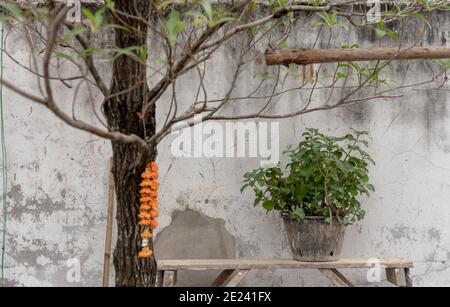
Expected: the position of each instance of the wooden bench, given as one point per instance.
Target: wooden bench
(234, 270)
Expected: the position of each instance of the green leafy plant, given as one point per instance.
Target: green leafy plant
(324, 177)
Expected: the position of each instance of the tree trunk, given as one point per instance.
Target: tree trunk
(125, 114)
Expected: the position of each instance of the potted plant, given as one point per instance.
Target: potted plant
(317, 194)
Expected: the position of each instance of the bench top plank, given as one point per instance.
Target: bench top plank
(249, 264)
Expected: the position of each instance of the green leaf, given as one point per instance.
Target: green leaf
(380, 33)
(72, 33)
(111, 5)
(283, 44)
(65, 56)
(129, 51)
(300, 192)
(245, 186)
(143, 54)
(209, 12)
(341, 75)
(88, 14)
(98, 18)
(392, 35)
(116, 26)
(14, 10)
(268, 205)
(307, 171)
(299, 213)
(370, 187)
(95, 20)
(89, 52)
(174, 26)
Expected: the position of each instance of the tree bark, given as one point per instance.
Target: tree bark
(313, 56)
(125, 114)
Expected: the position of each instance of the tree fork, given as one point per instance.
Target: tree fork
(313, 56)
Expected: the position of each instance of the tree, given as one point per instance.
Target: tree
(184, 36)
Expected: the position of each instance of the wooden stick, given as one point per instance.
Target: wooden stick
(235, 278)
(312, 56)
(109, 227)
(336, 278)
(223, 277)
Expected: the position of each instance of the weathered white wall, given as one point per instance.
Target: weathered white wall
(58, 185)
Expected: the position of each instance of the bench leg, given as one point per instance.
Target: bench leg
(230, 278)
(391, 276)
(159, 278)
(236, 278)
(222, 278)
(409, 281)
(336, 278)
(169, 278)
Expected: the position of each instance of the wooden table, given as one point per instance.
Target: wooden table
(234, 270)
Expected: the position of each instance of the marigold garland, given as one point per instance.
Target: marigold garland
(148, 207)
(146, 252)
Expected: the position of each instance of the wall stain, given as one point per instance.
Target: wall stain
(59, 176)
(193, 235)
(33, 206)
(29, 254)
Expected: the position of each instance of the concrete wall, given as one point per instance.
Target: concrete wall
(57, 181)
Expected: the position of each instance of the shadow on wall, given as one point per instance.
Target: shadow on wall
(192, 235)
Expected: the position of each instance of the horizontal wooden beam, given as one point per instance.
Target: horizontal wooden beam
(313, 56)
(249, 264)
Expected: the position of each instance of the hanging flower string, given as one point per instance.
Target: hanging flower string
(149, 205)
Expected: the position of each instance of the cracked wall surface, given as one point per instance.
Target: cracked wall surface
(58, 179)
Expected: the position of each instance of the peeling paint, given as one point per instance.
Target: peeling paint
(37, 207)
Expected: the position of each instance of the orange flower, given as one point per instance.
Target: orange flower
(154, 203)
(154, 213)
(145, 175)
(153, 166)
(153, 194)
(145, 216)
(145, 253)
(154, 185)
(150, 175)
(146, 223)
(145, 191)
(145, 207)
(146, 183)
(146, 235)
(145, 199)
(153, 224)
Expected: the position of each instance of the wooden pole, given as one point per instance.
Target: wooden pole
(313, 56)
(109, 227)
